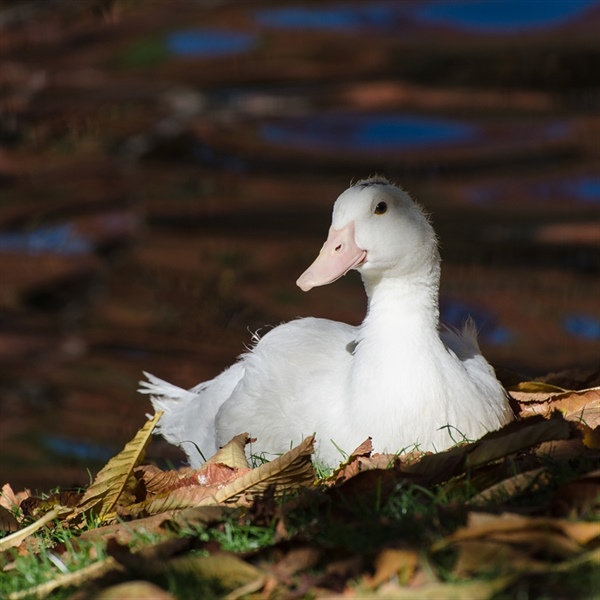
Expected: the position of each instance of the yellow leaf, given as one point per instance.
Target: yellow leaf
(134, 590)
(292, 468)
(537, 387)
(104, 493)
(228, 569)
(464, 590)
(392, 562)
(232, 454)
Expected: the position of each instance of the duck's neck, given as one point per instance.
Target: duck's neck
(404, 309)
(399, 351)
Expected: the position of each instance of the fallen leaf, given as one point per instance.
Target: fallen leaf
(65, 501)
(8, 523)
(233, 454)
(392, 563)
(157, 481)
(133, 590)
(213, 474)
(541, 532)
(192, 518)
(110, 483)
(537, 387)
(231, 571)
(579, 496)
(10, 500)
(294, 468)
(582, 406)
(177, 499)
(476, 557)
(510, 487)
(465, 590)
(127, 532)
(514, 437)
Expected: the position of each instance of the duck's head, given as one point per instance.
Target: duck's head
(377, 229)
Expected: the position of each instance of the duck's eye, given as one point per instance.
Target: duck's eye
(380, 208)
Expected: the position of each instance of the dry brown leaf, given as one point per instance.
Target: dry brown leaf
(125, 533)
(364, 449)
(580, 496)
(393, 563)
(177, 499)
(582, 406)
(291, 469)
(230, 570)
(213, 474)
(537, 387)
(134, 590)
(464, 590)
(8, 523)
(157, 481)
(361, 460)
(514, 437)
(514, 528)
(296, 560)
(115, 478)
(481, 556)
(233, 454)
(511, 487)
(10, 500)
(198, 516)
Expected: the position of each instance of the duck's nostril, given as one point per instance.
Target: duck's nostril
(338, 248)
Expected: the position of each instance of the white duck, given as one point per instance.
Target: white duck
(395, 377)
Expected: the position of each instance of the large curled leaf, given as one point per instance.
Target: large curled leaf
(291, 469)
(110, 483)
(582, 406)
(514, 437)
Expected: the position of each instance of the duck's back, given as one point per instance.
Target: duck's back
(292, 385)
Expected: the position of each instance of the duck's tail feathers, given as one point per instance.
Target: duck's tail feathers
(184, 421)
(161, 390)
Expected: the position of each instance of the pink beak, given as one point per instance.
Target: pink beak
(338, 255)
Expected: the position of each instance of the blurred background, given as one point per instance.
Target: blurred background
(168, 169)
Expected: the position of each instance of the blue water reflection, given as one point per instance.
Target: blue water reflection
(583, 326)
(78, 449)
(581, 189)
(209, 42)
(337, 18)
(367, 132)
(482, 16)
(57, 239)
(586, 189)
(503, 16)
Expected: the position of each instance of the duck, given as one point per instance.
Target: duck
(400, 377)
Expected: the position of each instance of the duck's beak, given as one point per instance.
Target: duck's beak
(338, 255)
